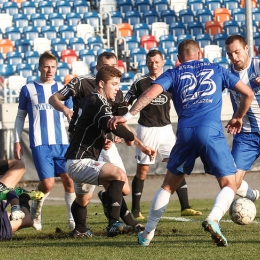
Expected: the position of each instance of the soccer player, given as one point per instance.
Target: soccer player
(47, 134)
(155, 130)
(11, 172)
(78, 88)
(86, 143)
(246, 144)
(196, 88)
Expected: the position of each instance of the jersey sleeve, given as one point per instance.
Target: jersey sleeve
(164, 80)
(71, 89)
(23, 98)
(131, 94)
(230, 80)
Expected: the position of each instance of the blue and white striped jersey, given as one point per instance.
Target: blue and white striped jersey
(46, 125)
(251, 121)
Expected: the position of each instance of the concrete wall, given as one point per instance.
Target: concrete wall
(8, 114)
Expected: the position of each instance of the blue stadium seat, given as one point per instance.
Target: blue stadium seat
(141, 29)
(11, 8)
(142, 5)
(128, 77)
(204, 15)
(195, 28)
(238, 14)
(73, 19)
(231, 27)
(66, 32)
(150, 16)
(169, 16)
(80, 7)
(167, 41)
(95, 43)
(63, 69)
(13, 58)
(194, 5)
(23, 45)
(114, 17)
(45, 8)
(231, 4)
(13, 33)
(56, 20)
(130, 42)
(136, 55)
(49, 32)
(177, 28)
(20, 21)
(125, 5)
(24, 69)
(59, 44)
(32, 57)
(160, 5)
(87, 55)
(256, 39)
(168, 64)
(38, 20)
(92, 67)
(203, 39)
(63, 7)
(30, 33)
(182, 37)
(172, 53)
(77, 44)
(213, 4)
(93, 19)
(32, 78)
(186, 16)
(254, 26)
(133, 17)
(223, 61)
(142, 67)
(28, 8)
(219, 39)
(6, 70)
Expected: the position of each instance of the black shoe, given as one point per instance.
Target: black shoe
(104, 204)
(76, 233)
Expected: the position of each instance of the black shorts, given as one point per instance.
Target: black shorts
(3, 166)
(5, 226)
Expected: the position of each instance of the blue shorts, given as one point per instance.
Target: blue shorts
(205, 142)
(5, 226)
(246, 149)
(49, 160)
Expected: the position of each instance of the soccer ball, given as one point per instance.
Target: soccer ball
(242, 211)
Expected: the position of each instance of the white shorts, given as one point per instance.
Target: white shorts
(84, 173)
(112, 156)
(162, 139)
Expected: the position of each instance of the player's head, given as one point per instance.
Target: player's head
(108, 81)
(237, 51)
(106, 59)
(154, 63)
(47, 67)
(189, 50)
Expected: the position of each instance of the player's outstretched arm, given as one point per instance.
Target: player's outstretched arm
(145, 149)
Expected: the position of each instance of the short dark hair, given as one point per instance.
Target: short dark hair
(235, 37)
(46, 55)
(105, 73)
(152, 53)
(107, 55)
(186, 47)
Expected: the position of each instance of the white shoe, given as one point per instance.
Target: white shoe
(71, 224)
(16, 213)
(256, 192)
(36, 215)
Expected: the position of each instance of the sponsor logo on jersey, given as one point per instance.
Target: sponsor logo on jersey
(160, 100)
(43, 106)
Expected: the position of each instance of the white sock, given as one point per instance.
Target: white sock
(246, 192)
(159, 205)
(222, 203)
(69, 198)
(39, 203)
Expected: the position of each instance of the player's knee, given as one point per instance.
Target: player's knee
(84, 199)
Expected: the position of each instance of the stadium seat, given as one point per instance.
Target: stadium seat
(114, 17)
(169, 16)
(85, 31)
(6, 21)
(195, 28)
(221, 15)
(32, 57)
(133, 17)
(73, 19)
(182, 37)
(124, 29)
(13, 58)
(6, 45)
(77, 44)
(49, 32)
(87, 55)
(231, 27)
(137, 54)
(158, 29)
(128, 77)
(106, 6)
(160, 5)
(24, 69)
(219, 39)
(213, 27)
(178, 5)
(63, 69)
(79, 68)
(92, 67)
(59, 44)
(32, 79)
(177, 28)
(194, 5)
(45, 8)
(254, 3)
(56, 20)
(186, 16)
(172, 54)
(204, 15)
(256, 13)
(63, 7)
(203, 39)
(256, 39)
(142, 67)
(38, 20)
(41, 45)
(231, 4)
(95, 43)
(125, 5)
(66, 32)
(168, 65)
(22, 45)
(142, 6)
(167, 41)
(121, 66)
(69, 56)
(13, 33)
(238, 14)
(212, 5)
(11, 8)
(6, 70)
(28, 8)
(150, 16)
(15, 83)
(223, 61)
(93, 19)
(148, 41)
(141, 29)
(20, 21)
(212, 51)
(254, 26)
(80, 7)
(130, 42)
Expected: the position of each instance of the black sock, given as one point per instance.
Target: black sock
(24, 201)
(182, 193)
(11, 195)
(2, 186)
(137, 189)
(126, 215)
(114, 200)
(80, 216)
